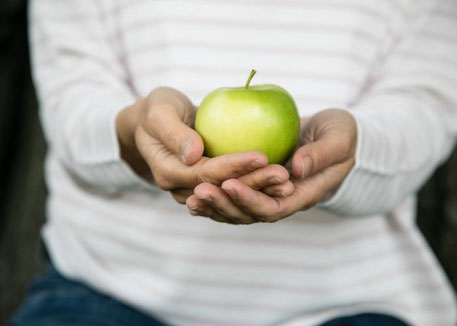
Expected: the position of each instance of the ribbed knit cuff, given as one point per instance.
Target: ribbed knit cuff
(101, 163)
(351, 198)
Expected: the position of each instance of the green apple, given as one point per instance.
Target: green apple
(250, 118)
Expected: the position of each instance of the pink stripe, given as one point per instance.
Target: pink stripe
(248, 24)
(336, 267)
(433, 36)
(435, 58)
(361, 235)
(328, 5)
(86, 16)
(56, 36)
(376, 279)
(425, 76)
(399, 8)
(447, 14)
(271, 264)
(305, 52)
(253, 262)
(315, 100)
(116, 10)
(391, 298)
(85, 80)
(345, 79)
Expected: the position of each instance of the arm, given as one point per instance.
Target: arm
(368, 161)
(407, 119)
(94, 123)
(81, 87)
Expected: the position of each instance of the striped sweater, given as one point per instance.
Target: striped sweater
(391, 63)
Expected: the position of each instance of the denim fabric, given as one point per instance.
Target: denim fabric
(53, 300)
(365, 319)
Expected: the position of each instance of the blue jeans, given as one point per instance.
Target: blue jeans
(54, 300)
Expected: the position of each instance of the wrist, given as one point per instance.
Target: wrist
(127, 122)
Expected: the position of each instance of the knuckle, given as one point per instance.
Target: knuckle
(163, 182)
(275, 215)
(247, 208)
(250, 221)
(241, 219)
(310, 204)
(151, 117)
(236, 220)
(252, 182)
(203, 177)
(278, 169)
(233, 169)
(179, 198)
(345, 140)
(268, 219)
(161, 89)
(273, 218)
(198, 177)
(319, 159)
(264, 218)
(170, 136)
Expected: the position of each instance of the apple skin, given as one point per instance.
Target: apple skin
(255, 118)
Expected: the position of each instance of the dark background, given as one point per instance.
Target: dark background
(22, 150)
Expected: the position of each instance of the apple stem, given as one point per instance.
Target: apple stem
(250, 77)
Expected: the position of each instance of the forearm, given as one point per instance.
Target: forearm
(81, 89)
(402, 139)
(406, 115)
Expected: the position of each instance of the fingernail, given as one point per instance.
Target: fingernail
(196, 210)
(274, 181)
(207, 199)
(281, 194)
(230, 192)
(185, 149)
(307, 165)
(256, 164)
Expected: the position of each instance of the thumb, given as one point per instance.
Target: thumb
(332, 139)
(330, 148)
(169, 121)
(317, 156)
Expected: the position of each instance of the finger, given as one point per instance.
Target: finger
(168, 120)
(319, 185)
(259, 205)
(316, 156)
(218, 200)
(304, 121)
(198, 207)
(270, 175)
(218, 169)
(180, 195)
(170, 173)
(282, 190)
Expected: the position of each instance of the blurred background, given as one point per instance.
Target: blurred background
(22, 150)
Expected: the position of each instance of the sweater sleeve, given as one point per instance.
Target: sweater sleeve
(407, 116)
(81, 85)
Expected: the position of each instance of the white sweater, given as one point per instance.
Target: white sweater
(392, 63)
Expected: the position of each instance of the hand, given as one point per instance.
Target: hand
(155, 136)
(319, 166)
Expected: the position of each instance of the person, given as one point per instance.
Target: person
(374, 83)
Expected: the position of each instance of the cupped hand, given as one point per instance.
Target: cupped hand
(324, 159)
(156, 137)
